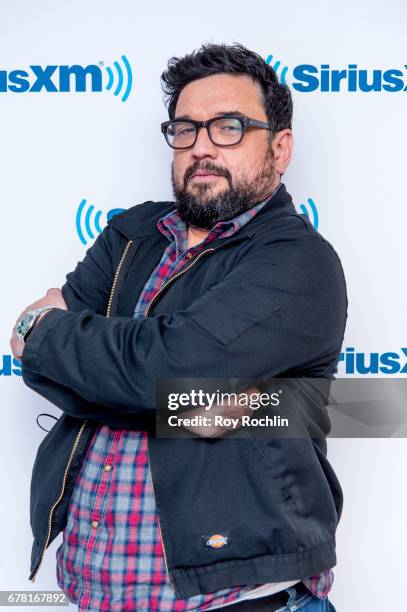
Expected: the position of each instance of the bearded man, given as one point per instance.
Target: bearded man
(227, 281)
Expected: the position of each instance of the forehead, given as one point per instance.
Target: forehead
(206, 97)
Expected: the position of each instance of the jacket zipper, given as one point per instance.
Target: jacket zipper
(169, 281)
(159, 525)
(172, 278)
(78, 436)
(116, 276)
(74, 447)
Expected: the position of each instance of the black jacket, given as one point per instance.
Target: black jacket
(268, 301)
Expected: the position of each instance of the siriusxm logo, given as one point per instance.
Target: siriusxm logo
(65, 79)
(351, 361)
(88, 220)
(374, 363)
(310, 210)
(307, 77)
(9, 365)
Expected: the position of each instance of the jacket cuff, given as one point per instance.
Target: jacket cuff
(30, 359)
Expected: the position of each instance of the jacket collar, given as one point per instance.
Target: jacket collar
(141, 220)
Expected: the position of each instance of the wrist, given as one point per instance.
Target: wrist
(34, 324)
(31, 319)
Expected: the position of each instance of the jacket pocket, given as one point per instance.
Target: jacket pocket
(309, 485)
(273, 473)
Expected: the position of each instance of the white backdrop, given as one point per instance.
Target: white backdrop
(63, 148)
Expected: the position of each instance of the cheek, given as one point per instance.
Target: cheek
(180, 166)
(240, 170)
(253, 161)
(233, 162)
(243, 161)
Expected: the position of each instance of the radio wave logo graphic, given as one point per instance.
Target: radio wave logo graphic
(124, 78)
(310, 210)
(88, 220)
(276, 67)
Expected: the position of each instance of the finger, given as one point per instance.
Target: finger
(16, 351)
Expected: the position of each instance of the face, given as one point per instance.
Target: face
(213, 183)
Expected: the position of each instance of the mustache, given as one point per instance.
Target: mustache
(208, 167)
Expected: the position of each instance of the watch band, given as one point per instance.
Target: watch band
(27, 322)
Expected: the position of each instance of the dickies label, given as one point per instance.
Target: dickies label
(216, 540)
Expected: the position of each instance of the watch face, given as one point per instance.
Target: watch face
(24, 325)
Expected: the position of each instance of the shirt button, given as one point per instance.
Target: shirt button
(95, 524)
(107, 467)
(189, 255)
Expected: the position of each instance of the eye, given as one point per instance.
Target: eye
(184, 130)
(181, 130)
(228, 125)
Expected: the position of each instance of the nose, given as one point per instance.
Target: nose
(203, 146)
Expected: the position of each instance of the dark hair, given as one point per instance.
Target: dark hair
(230, 59)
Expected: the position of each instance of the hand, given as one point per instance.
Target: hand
(53, 296)
(228, 410)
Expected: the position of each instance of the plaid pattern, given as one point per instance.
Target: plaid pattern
(177, 253)
(111, 557)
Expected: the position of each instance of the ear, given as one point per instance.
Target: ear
(282, 145)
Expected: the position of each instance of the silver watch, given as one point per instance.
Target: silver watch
(26, 323)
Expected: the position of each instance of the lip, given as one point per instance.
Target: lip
(204, 175)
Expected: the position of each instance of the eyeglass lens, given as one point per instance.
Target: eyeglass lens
(225, 131)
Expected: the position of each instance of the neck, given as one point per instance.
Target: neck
(195, 235)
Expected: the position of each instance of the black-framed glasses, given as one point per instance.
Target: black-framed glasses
(223, 131)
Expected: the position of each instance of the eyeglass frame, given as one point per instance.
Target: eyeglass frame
(245, 121)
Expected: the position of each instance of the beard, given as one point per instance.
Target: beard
(203, 209)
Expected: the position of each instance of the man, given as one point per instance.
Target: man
(227, 282)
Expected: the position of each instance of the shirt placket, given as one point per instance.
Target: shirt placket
(188, 254)
(100, 503)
